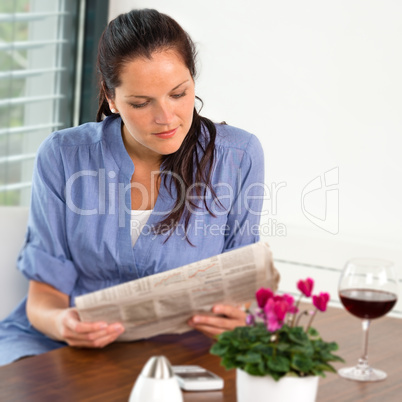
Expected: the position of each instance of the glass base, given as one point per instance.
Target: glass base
(359, 373)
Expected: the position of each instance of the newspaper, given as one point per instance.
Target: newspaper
(163, 303)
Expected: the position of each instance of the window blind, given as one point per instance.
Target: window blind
(38, 47)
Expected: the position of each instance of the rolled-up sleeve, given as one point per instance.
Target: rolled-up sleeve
(45, 256)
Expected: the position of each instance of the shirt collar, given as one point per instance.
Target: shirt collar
(113, 138)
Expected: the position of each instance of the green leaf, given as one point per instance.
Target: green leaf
(228, 363)
(261, 368)
(279, 363)
(282, 347)
(335, 358)
(277, 376)
(325, 367)
(252, 369)
(263, 349)
(249, 357)
(313, 332)
(301, 363)
(298, 336)
(219, 349)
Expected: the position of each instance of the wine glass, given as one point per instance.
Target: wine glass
(368, 289)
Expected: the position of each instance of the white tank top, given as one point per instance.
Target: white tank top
(138, 221)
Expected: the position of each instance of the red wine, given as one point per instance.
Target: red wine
(366, 303)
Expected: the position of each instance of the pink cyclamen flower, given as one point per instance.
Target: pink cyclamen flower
(321, 301)
(290, 301)
(271, 318)
(276, 309)
(263, 295)
(306, 287)
(281, 308)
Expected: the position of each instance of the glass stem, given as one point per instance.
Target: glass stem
(363, 361)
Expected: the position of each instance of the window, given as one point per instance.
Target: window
(37, 84)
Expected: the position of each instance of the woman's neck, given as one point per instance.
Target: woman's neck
(140, 154)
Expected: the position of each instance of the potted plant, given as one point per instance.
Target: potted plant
(275, 350)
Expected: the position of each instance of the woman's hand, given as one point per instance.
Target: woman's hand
(85, 334)
(49, 312)
(227, 317)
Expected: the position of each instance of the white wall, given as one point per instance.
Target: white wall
(13, 285)
(320, 84)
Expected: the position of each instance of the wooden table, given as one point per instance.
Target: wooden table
(69, 374)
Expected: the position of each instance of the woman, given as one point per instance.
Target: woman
(150, 187)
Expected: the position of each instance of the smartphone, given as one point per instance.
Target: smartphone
(196, 378)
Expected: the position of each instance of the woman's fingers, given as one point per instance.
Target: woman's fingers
(224, 323)
(209, 331)
(98, 341)
(113, 330)
(230, 311)
(73, 322)
(88, 334)
(227, 318)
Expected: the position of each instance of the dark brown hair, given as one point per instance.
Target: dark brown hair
(140, 33)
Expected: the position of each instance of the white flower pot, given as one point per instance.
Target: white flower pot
(263, 389)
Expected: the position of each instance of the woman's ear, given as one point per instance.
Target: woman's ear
(110, 102)
(112, 106)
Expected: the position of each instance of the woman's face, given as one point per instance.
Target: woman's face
(156, 101)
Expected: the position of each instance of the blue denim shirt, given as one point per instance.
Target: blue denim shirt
(79, 239)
